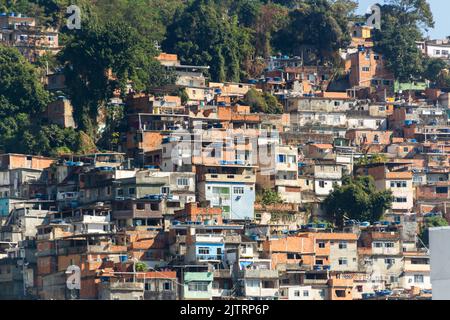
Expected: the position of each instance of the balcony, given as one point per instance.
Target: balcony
(416, 267)
(240, 178)
(208, 238)
(261, 292)
(236, 239)
(259, 274)
(288, 167)
(312, 282)
(385, 251)
(221, 293)
(209, 257)
(328, 175)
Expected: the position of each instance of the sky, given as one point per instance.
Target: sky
(440, 8)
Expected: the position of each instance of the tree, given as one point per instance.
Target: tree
(148, 17)
(316, 30)
(357, 199)
(374, 159)
(436, 71)
(431, 222)
(141, 267)
(262, 102)
(103, 58)
(271, 197)
(22, 102)
(402, 21)
(213, 39)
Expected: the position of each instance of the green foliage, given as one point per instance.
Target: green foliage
(184, 97)
(270, 197)
(141, 267)
(262, 102)
(431, 222)
(148, 17)
(204, 35)
(316, 30)
(22, 101)
(436, 70)
(357, 199)
(374, 159)
(115, 124)
(102, 58)
(402, 21)
(53, 140)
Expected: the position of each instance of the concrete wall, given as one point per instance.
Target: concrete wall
(440, 262)
(350, 253)
(241, 206)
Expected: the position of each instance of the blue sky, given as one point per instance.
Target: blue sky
(440, 8)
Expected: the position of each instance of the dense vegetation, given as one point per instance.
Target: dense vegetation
(119, 40)
(357, 199)
(22, 100)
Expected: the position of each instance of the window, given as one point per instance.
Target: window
(183, 182)
(292, 256)
(442, 190)
(389, 245)
(165, 190)
(252, 283)
(340, 293)
(322, 184)
(305, 293)
(203, 250)
(343, 261)
(238, 190)
(119, 192)
(342, 245)
(399, 184)
(321, 245)
(292, 159)
(389, 261)
(140, 206)
(167, 286)
(418, 278)
(376, 139)
(132, 191)
(198, 286)
(366, 69)
(281, 158)
(378, 245)
(296, 293)
(401, 200)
